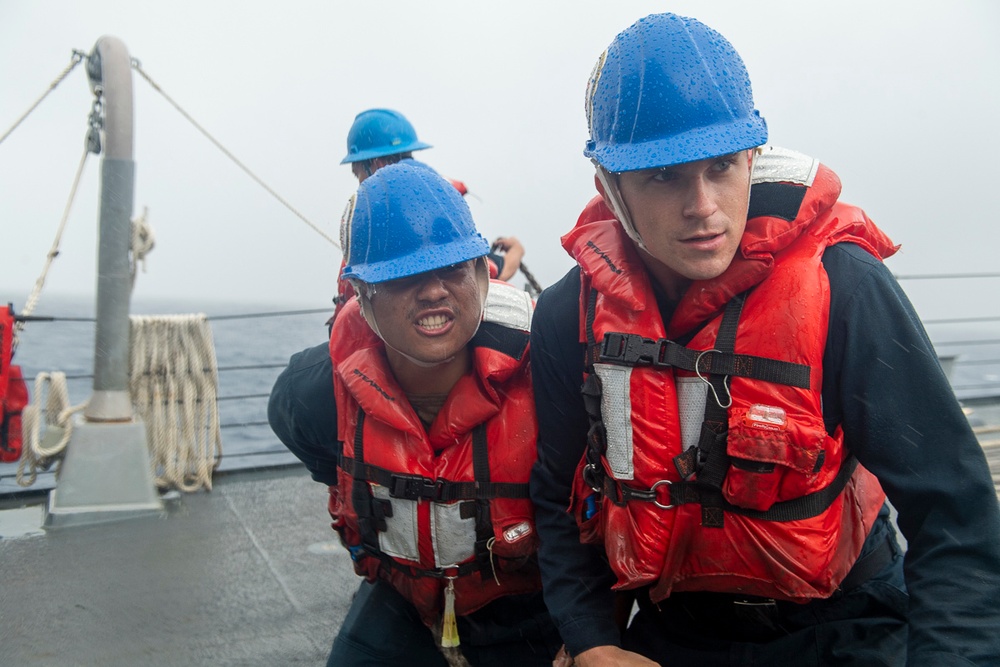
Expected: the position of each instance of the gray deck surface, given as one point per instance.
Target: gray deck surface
(248, 574)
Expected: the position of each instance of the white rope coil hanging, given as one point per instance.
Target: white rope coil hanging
(173, 380)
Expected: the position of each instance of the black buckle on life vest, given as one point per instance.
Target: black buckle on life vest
(593, 477)
(415, 487)
(620, 494)
(634, 350)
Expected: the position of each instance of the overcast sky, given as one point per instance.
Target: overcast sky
(900, 98)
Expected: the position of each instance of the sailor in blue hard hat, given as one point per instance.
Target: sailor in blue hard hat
(417, 414)
(692, 108)
(409, 227)
(679, 463)
(380, 137)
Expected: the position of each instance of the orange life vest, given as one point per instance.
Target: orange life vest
(420, 507)
(13, 391)
(711, 459)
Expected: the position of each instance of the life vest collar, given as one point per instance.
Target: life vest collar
(359, 358)
(790, 192)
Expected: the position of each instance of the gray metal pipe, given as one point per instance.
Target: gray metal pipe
(107, 474)
(110, 72)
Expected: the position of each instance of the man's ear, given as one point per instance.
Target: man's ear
(600, 187)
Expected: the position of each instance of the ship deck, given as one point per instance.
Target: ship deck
(249, 574)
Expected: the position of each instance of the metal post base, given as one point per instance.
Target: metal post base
(105, 476)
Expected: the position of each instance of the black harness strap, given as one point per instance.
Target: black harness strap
(484, 525)
(870, 564)
(712, 452)
(597, 443)
(804, 507)
(437, 573)
(371, 513)
(497, 337)
(683, 493)
(416, 487)
(633, 350)
(709, 459)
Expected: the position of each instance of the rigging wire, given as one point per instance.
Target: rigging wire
(137, 66)
(239, 398)
(312, 311)
(210, 318)
(929, 276)
(78, 56)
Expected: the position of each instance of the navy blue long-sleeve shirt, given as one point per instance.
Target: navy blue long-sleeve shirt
(882, 382)
(303, 412)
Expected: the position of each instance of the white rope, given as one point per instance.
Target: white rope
(142, 242)
(41, 450)
(174, 383)
(29, 305)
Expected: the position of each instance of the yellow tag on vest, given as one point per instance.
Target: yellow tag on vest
(449, 630)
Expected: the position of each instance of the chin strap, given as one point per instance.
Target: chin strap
(364, 291)
(613, 196)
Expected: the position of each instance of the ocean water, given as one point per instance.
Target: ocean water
(261, 345)
(254, 349)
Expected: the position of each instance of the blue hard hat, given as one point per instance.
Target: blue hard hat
(380, 132)
(669, 90)
(407, 220)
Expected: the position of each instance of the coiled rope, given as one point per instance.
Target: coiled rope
(173, 381)
(40, 451)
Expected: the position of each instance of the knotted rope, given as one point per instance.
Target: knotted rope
(41, 450)
(142, 241)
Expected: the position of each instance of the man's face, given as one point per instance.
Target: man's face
(429, 317)
(691, 216)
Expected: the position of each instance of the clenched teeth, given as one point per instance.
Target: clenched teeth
(433, 322)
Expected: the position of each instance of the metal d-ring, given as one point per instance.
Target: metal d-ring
(589, 476)
(701, 377)
(653, 489)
